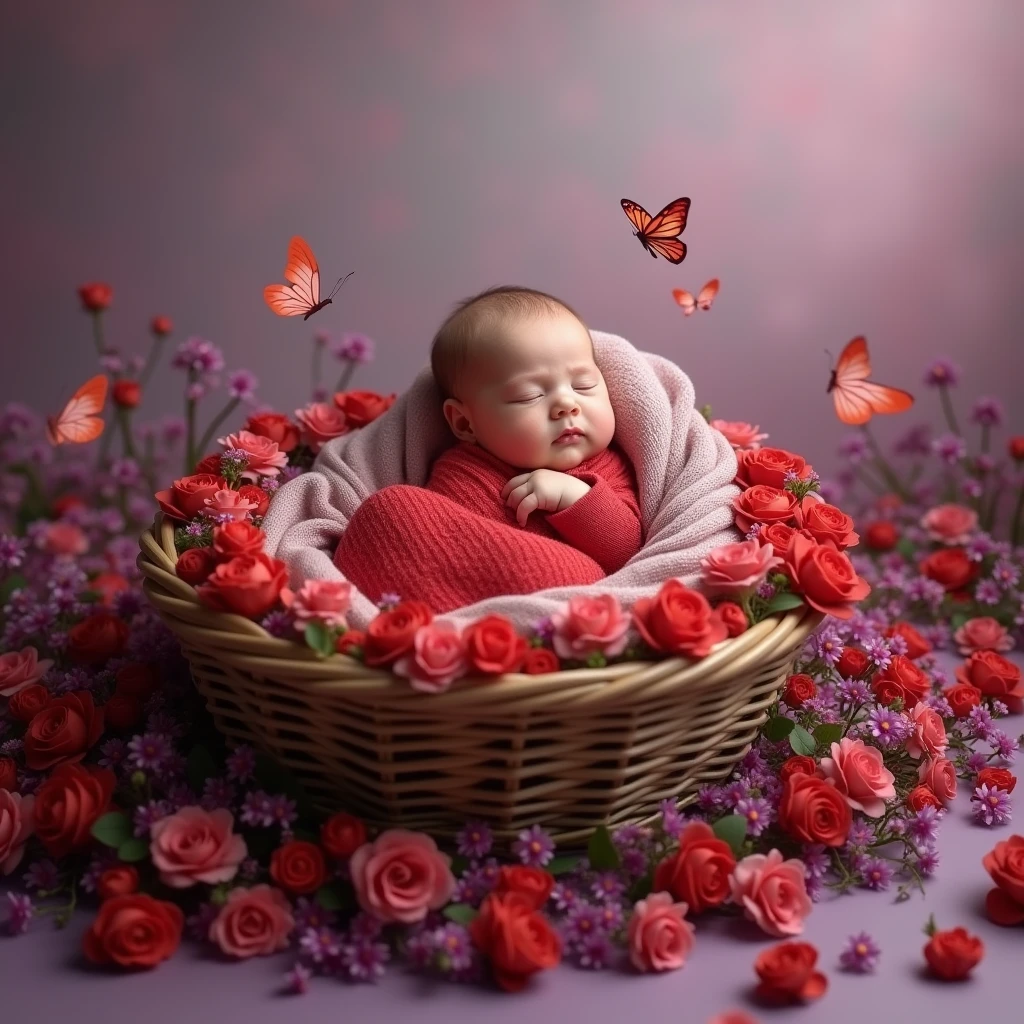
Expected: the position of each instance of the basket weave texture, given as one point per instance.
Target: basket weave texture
(569, 750)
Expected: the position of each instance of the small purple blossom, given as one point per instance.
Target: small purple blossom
(987, 412)
(758, 813)
(608, 885)
(321, 945)
(475, 839)
(877, 873)
(582, 921)
(149, 752)
(860, 954)
(454, 951)
(365, 960)
(241, 763)
(988, 592)
(147, 815)
(923, 827)
(19, 912)
(888, 727)
(854, 447)
(43, 875)
(951, 448)
(595, 952)
(354, 348)
(990, 805)
(829, 647)
(296, 981)
(942, 373)
(242, 384)
(534, 847)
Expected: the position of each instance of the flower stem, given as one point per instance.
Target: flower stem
(947, 409)
(151, 359)
(217, 421)
(870, 482)
(986, 437)
(345, 377)
(888, 473)
(97, 331)
(124, 421)
(104, 451)
(190, 433)
(1018, 518)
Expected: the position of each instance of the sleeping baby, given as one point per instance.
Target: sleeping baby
(533, 455)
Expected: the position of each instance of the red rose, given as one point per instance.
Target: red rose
(250, 492)
(68, 804)
(995, 676)
(298, 867)
(764, 504)
(881, 535)
(827, 523)
(362, 407)
(237, 538)
(516, 939)
(535, 884)
(949, 566)
(248, 585)
(698, 873)
(768, 466)
(733, 617)
(108, 585)
(778, 535)
(186, 498)
(120, 880)
(276, 427)
(349, 640)
(161, 326)
(540, 661)
(917, 646)
(824, 576)
(95, 296)
(342, 834)
(126, 394)
(798, 764)
(1015, 446)
(122, 712)
(953, 954)
(962, 698)
(136, 679)
(195, 565)
(920, 797)
(8, 774)
(902, 679)
(679, 621)
(493, 647)
(787, 973)
(96, 638)
(390, 634)
(134, 931)
(208, 465)
(63, 732)
(27, 703)
(853, 663)
(65, 503)
(1000, 778)
(799, 688)
(1005, 863)
(814, 811)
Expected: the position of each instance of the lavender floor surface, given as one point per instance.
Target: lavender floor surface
(44, 978)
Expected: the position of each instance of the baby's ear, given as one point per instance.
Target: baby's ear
(457, 419)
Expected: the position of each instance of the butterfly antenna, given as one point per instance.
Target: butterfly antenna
(831, 359)
(341, 281)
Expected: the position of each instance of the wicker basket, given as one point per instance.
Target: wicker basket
(570, 750)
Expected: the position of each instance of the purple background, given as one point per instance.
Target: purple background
(853, 169)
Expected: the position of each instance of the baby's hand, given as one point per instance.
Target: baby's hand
(544, 489)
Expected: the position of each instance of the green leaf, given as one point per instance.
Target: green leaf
(783, 603)
(320, 638)
(201, 766)
(733, 830)
(829, 733)
(10, 585)
(459, 864)
(561, 865)
(112, 829)
(601, 850)
(642, 887)
(802, 741)
(778, 728)
(460, 913)
(132, 850)
(328, 897)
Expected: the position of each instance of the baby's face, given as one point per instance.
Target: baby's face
(532, 380)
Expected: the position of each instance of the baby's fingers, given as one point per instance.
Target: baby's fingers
(526, 506)
(512, 483)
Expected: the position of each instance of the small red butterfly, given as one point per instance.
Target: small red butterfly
(303, 294)
(79, 422)
(857, 398)
(704, 298)
(660, 234)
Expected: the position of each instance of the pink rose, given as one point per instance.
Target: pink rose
(660, 938)
(229, 502)
(950, 524)
(253, 922)
(929, 736)
(772, 892)
(400, 876)
(589, 625)
(20, 669)
(320, 422)
(739, 434)
(737, 568)
(265, 457)
(939, 775)
(982, 634)
(15, 828)
(64, 539)
(324, 601)
(859, 774)
(195, 845)
(438, 657)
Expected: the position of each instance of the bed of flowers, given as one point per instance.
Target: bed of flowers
(117, 794)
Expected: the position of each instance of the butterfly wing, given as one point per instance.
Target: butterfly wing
(708, 293)
(856, 398)
(662, 234)
(80, 422)
(303, 293)
(685, 300)
(637, 215)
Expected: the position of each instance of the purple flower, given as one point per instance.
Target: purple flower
(758, 813)
(363, 926)
(634, 861)
(951, 448)
(12, 552)
(888, 727)
(283, 811)
(454, 951)
(582, 921)
(199, 355)
(241, 763)
(671, 820)
(147, 815)
(354, 348)
(218, 792)
(43, 874)
(854, 447)
(853, 691)
(923, 827)
(475, 840)
(877, 874)
(310, 915)
(860, 954)
(534, 847)
(927, 861)
(987, 412)
(321, 945)
(257, 809)
(607, 886)
(365, 960)
(595, 952)
(296, 981)
(942, 373)
(990, 805)
(1006, 574)
(19, 912)
(980, 724)
(861, 835)
(1006, 746)
(988, 592)
(149, 752)
(564, 897)
(242, 384)
(829, 647)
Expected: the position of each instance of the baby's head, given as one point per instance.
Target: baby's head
(516, 368)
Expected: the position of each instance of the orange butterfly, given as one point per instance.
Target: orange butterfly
(303, 294)
(704, 298)
(857, 398)
(660, 234)
(80, 421)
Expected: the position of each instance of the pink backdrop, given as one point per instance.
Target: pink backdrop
(854, 168)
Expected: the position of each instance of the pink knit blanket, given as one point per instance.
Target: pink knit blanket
(684, 472)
